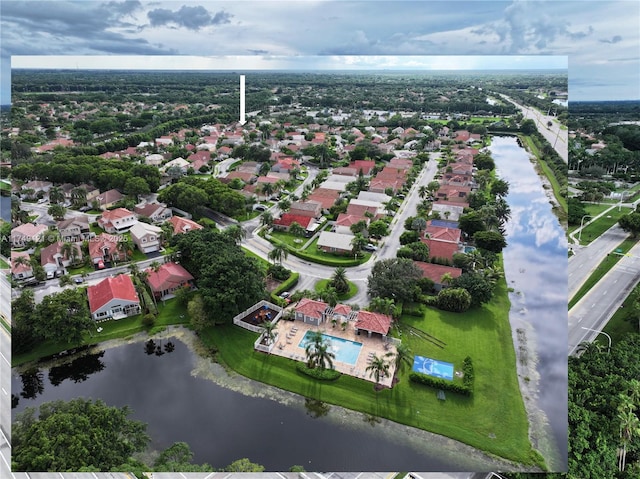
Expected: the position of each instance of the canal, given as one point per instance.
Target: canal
(535, 262)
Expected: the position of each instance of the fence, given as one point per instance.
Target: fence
(239, 318)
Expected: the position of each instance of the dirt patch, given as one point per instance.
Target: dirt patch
(272, 284)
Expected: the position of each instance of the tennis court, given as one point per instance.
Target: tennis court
(433, 367)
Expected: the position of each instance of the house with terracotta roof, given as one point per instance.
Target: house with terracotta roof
(21, 269)
(345, 171)
(146, 237)
(326, 198)
(456, 194)
(366, 166)
(381, 185)
(435, 272)
(156, 212)
(23, 234)
(311, 311)
(117, 221)
(104, 249)
(373, 323)
(183, 225)
(167, 279)
(345, 221)
(443, 250)
(287, 219)
(113, 298)
(440, 233)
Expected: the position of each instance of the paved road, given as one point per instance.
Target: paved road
(595, 309)
(5, 401)
(587, 258)
(554, 134)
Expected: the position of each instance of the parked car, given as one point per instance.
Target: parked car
(371, 247)
(78, 280)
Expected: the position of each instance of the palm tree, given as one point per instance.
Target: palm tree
(502, 210)
(317, 351)
(377, 368)
(402, 357)
(266, 219)
(339, 280)
(422, 191)
(329, 295)
(67, 250)
(278, 253)
(629, 426)
(236, 233)
(167, 231)
(296, 229)
(419, 224)
(383, 305)
(266, 189)
(155, 266)
(446, 279)
(56, 195)
(125, 245)
(79, 196)
(269, 331)
(358, 243)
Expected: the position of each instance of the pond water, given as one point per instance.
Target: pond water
(5, 208)
(536, 268)
(174, 395)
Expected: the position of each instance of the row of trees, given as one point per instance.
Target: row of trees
(83, 435)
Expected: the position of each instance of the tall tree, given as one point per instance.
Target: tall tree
(278, 253)
(377, 368)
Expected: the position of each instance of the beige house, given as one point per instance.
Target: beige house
(146, 237)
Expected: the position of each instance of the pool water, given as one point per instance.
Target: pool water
(346, 351)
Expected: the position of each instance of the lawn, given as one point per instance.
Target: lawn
(623, 322)
(590, 209)
(3, 264)
(171, 312)
(292, 241)
(599, 226)
(353, 289)
(493, 420)
(603, 268)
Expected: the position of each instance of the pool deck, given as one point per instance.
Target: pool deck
(290, 333)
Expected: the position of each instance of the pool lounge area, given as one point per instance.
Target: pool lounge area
(290, 344)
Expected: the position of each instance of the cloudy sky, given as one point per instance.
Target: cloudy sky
(601, 39)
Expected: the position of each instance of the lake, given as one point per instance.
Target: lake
(536, 268)
(179, 396)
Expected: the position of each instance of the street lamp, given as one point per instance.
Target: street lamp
(580, 234)
(600, 332)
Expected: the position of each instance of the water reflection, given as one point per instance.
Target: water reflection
(536, 268)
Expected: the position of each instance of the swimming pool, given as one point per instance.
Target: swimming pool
(433, 367)
(346, 351)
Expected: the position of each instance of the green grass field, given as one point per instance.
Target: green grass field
(599, 226)
(591, 209)
(623, 322)
(493, 420)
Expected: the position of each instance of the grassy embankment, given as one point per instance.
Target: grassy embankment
(168, 314)
(532, 146)
(595, 229)
(623, 322)
(593, 209)
(493, 420)
(323, 283)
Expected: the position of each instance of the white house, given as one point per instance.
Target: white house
(117, 221)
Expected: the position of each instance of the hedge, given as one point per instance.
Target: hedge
(316, 373)
(440, 383)
(467, 370)
(284, 286)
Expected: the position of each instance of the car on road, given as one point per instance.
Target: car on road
(371, 247)
(78, 280)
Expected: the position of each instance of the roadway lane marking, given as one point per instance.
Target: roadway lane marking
(5, 439)
(593, 305)
(5, 461)
(604, 293)
(5, 359)
(5, 392)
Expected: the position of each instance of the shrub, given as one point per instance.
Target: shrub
(467, 370)
(416, 310)
(279, 272)
(148, 320)
(316, 373)
(456, 300)
(440, 383)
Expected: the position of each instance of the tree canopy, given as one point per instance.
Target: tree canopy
(69, 436)
(395, 278)
(228, 280)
